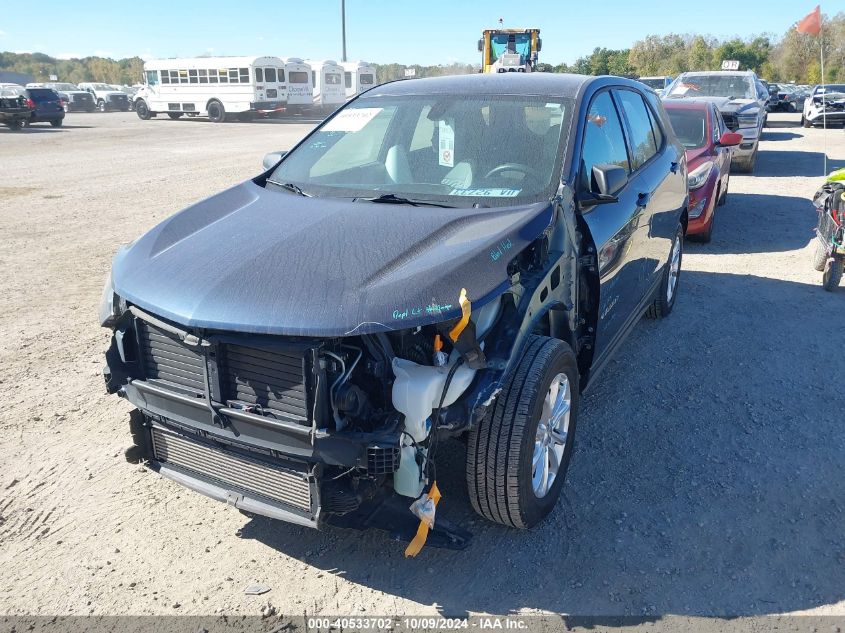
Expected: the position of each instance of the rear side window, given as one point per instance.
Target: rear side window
(298, 77)
(643, 145)
(270, 74)
(604, 141)
(259, 75)
(655, 128)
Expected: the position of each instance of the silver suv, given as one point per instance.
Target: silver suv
(741, 99)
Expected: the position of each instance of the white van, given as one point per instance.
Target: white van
(217, 87)
(357, 77)
(300, 88)
(327, 80)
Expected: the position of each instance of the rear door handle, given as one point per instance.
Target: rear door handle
(642, 200)
(673, 168)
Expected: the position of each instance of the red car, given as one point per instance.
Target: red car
(700, 128)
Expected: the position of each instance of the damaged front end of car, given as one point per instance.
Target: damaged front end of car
(339, 429)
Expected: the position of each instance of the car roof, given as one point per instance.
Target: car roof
(549, 84)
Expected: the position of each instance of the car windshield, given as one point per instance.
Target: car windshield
(457, 150)
(101, 87)
(63, 87)
(695, 85)
(690, 126)
(831, 89)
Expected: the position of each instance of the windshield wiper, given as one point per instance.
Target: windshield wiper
(290, 187)
(390, 198)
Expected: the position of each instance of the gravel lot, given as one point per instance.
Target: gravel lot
(708, 473)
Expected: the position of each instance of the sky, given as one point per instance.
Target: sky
(380, 31)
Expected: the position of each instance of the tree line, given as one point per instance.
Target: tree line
(793, 57)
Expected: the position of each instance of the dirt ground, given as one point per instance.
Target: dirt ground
(708, 472)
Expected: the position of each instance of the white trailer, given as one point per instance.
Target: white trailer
(300, 88)
(357, 77)
(327, 80)
(217, 87)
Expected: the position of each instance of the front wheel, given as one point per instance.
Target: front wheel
(518, 454)
(668, 290)
(57, 122)
(819, 256)
(142, 110)
(15, 125)
(216, 112)
(833, 273)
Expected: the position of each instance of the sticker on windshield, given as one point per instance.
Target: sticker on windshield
(351, 120)
(489, 193)
(446, 154)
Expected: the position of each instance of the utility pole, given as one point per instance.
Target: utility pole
(343, 26)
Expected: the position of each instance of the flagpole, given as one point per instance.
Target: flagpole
(824, 96)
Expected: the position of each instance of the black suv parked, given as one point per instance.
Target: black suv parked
(47, 106)
(442, 257)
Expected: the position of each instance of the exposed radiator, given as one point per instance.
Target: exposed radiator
(233, 470)
(169, 361)
(270, 379)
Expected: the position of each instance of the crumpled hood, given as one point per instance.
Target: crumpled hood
(262, 261)
(731, 106)
(734, 106)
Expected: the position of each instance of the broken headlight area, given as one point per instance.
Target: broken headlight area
(291, 427)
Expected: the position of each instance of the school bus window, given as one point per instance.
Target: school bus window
(224, 76)
(270, 74)
(281, 74)
(165, 76)
(347, 79)
(259, 75)
(366, 80)
(244, 75)
(212, 76)
(192, 76)
(203, 74)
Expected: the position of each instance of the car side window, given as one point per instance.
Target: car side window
(604, 141)
(643, 145)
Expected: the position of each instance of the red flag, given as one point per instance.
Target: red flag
(812, 23)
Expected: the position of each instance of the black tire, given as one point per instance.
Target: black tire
(216, 112)
(500, 447)
(142, 110)
(57, 122)
(101, 105)
(747, 167)
(833, 274)
(805, 122)
(664, 302)
(15, 126)
(819, 256)
(174, 115)
(26, 122)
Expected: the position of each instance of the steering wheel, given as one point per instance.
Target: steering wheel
(520, 167)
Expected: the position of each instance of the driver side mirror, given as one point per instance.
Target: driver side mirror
(272, 159)
(730, 139)
(608, 180)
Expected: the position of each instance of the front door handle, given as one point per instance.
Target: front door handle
(642, 200)
(674, 168)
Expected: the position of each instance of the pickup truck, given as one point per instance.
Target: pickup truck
(14, 111)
